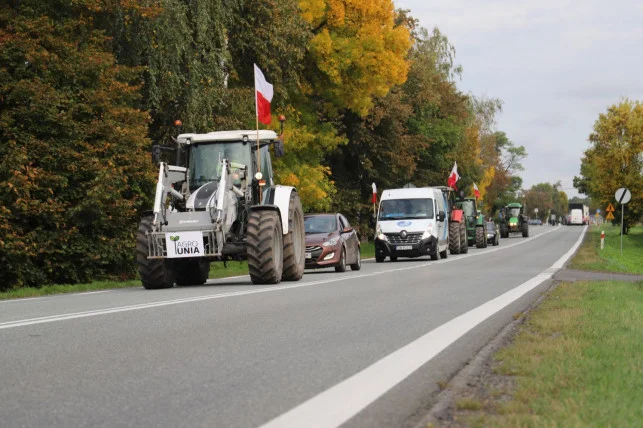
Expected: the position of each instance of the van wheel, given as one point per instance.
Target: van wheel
(444, 254)
(393, 258)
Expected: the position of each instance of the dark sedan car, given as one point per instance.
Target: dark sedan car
(493, 233)
(331, 242)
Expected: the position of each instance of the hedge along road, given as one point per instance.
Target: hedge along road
(331, 349)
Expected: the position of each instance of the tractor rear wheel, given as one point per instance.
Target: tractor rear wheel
(481, 238)
(265, 247)
(464, 241)
(454, 237)
(153, 272)
(190, 271)
(525, 229)
(294, 241)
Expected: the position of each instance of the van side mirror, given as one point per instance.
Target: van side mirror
(441, 215)
(279, 148)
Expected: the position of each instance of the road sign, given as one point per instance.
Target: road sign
(610, 208)
(610, 216)
(623, 196)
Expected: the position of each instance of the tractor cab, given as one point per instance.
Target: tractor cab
(476, 227)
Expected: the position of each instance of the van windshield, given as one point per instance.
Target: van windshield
(397, 209)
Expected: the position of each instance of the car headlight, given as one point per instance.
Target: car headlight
(428, 232)
(380, 235)
(331, 242)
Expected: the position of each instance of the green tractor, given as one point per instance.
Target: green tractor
(514, 220)
(476, 226)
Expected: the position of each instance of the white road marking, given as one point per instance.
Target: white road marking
(27, 299)
(85, 314)
(341, 402)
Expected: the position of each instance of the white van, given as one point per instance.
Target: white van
(411, 223)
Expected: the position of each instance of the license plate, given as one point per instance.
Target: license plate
(404, 247)
(309, 255)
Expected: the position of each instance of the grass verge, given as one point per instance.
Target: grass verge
(609, 259)
(575, 362)
(217, 270)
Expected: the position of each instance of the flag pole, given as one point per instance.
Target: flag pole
(257, 124)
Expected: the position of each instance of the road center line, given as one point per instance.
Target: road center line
(338, 404)
(85, 314)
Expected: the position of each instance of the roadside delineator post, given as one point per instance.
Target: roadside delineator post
(602, 238)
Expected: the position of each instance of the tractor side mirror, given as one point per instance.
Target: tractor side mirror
(279, 148)
(156, 153)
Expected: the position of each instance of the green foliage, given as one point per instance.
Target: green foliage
(615, 158)
(72, 146)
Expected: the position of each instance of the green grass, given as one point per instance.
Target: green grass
(577, 360)
(217, 270)
(66, 288)
(591, 257)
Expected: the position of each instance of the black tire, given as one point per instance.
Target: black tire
(435, 254)
(454, 237)
(153, 272)
(504, 232)
(341, 267)
(358, 264)
(265, 247)
(294, 241)
(444, 254)
(190, 271)
(481, 238)
(486, 241)
(379, 259)
(464, 242)
(525, 229)
(393, 258)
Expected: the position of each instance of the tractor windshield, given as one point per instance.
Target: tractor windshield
(468, 208)
(398, 209)
(514, 212)
(205, 160)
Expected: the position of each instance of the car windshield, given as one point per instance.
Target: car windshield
(514, 212)
(491, 226)
(205, 160)
(320, 224)
(397, 209)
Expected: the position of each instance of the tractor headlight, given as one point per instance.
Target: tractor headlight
(331, 242)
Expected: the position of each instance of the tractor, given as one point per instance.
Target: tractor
(475, 222)
(221, 204)
(513, 220)
(458, 243)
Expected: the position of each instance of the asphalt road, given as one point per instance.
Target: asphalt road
(357, 349)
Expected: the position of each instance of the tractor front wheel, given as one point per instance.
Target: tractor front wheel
(525, 229)
(153, 272)
(464, 241)
(481, 238)
(265, 247)
(294, 241)
(454, 237)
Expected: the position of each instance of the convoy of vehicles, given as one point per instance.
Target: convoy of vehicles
(220, 202)
(331, 242)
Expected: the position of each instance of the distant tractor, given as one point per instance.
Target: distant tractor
(221, 204)
(514, 221)
(475, 222)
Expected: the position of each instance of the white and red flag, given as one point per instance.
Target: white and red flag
(263, 96)
(476, 192)
(374, 199)
(453, 177)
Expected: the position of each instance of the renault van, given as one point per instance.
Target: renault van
(411, 222)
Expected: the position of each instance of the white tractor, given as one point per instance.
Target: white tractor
(221, 204)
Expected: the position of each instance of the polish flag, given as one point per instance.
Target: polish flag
(476, 192)
(263, 96)
(374, 199)
(453, 177)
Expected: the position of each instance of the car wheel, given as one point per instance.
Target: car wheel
(357, 265)
(341, 267)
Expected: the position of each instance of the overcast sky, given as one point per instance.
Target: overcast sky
(555, 64)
